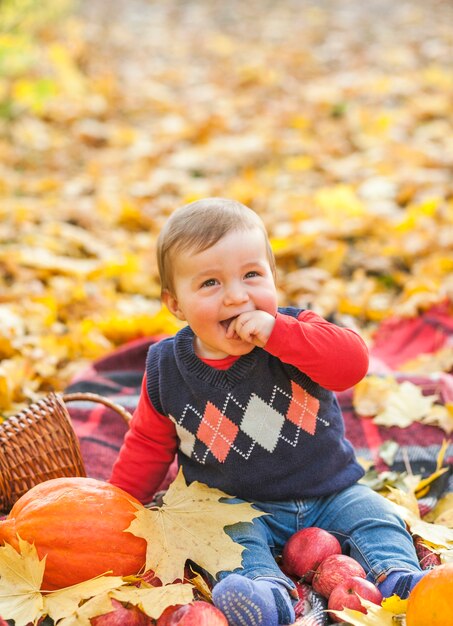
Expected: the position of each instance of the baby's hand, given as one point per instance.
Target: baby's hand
(253, 327)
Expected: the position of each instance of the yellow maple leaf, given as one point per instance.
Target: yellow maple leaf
(21, 576)
(376, 615)
(153, 601)
(407, 499)
(441, 416)
(429, 363)
(435, 536)
(370, 394)
(442, 512)
(64, 603)
(99, 605)
(445, 518)
(190, 525)
(395, 604)
(405, 405)
(20, 580)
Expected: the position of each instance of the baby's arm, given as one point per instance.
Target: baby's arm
(334, 357)
(147, 452)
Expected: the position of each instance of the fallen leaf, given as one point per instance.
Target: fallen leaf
(371, 393)
(434, 536)
(394, 604)
(21, 576)
(442, 512)
(404, 406)
(64, 603)
(155, 600)
(201, 585)
(442, 452)
(91, 608)
(441, 416)
(190, 525)
(388, 451)
(406, 499)
(375, 616)
(422, 488)
(423, 364)
(381, 481)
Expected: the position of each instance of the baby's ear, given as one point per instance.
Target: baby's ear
(171, 303)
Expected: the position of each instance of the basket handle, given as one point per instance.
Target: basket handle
(94, 397)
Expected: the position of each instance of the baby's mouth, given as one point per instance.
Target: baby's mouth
(227, 322)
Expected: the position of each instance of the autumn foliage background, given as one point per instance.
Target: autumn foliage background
(332, 119)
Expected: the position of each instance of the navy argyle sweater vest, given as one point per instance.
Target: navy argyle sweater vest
(260, 430)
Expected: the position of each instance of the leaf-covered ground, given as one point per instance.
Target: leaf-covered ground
(332, 119)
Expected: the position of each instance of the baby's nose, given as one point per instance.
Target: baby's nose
(235, 293)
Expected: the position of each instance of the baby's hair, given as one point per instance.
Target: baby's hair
(198, 226)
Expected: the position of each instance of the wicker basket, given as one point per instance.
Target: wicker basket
(39, 443)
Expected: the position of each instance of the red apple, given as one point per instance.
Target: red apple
(166, 617)
(3, 622)
(305, 550)
(197, 613)
(346, 595)
(121, 616)
(336, 569)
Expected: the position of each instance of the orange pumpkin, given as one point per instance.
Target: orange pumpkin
(79, 524)
(431, 600)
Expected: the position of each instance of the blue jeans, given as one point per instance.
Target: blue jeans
(364, 522)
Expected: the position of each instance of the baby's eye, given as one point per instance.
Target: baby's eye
(209, 283)
(252, 274)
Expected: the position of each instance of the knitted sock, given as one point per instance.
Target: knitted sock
(247, 602)
(400, 582)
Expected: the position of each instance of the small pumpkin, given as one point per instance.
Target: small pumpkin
(430, 601)
(79, 524)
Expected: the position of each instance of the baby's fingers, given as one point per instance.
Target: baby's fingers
(248, 331)
(231, 332)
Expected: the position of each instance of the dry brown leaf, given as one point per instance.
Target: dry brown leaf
(201, 585)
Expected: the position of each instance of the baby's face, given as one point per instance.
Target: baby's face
(212, 287)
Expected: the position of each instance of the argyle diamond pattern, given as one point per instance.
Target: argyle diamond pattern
(260, 424)
(303, 409)
(217, 432)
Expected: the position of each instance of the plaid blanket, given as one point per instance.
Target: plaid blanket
(118, 376)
